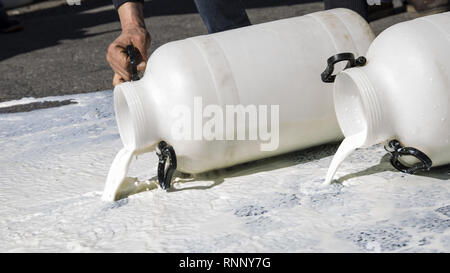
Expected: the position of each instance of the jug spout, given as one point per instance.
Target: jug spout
(138, 132)
(135, 119)
(359, 107)
(360, 115)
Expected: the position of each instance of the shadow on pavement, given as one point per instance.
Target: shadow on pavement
(441, 172)
(132, 185)
(47, 27)
(282, 161)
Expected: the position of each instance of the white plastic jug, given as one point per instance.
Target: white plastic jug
(274, 64)
(401, 96)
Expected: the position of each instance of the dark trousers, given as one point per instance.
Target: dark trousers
(360, 6)
(3, 14)
(220, 15)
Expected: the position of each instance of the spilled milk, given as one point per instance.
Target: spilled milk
(118, 184)
(347, 146)
(117, 174)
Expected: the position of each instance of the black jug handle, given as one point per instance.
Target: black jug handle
(131, 51)
(327, 75)
(397, 150)
(166, 152)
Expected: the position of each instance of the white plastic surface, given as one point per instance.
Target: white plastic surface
(276, 63)
(403, 92)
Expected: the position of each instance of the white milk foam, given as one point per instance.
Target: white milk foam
(52, 175)
(349, 145)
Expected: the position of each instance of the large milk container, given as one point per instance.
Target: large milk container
(401, 96)
(270, 68)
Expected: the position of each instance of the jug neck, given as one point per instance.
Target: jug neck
(360, 107)
(134, 115)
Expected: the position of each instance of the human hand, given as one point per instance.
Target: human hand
(133, 33)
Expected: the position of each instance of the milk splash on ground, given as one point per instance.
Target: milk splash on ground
(52, 174)
(349, 145)
(118, 184)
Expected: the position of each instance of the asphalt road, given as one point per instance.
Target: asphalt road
(62, 48)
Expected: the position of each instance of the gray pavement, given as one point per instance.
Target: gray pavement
(62, 48)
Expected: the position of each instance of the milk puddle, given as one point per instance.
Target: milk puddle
(118, 185)
(54, 164)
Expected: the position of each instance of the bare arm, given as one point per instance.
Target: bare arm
(133, 32)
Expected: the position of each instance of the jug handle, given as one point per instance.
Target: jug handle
(397, 150)
(327, 75)
(131, 51)
(166, 152)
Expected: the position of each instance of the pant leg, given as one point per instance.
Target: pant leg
(220, 15)
(360, 6)
(3, 14)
